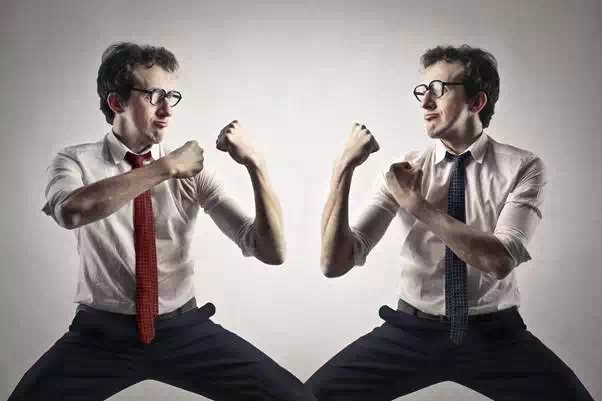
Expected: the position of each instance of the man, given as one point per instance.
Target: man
(467, 207)
(132, 205)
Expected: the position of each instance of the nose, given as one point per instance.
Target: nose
(428, 101)
(164, 109)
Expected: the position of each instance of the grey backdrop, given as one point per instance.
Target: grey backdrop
(296, 75)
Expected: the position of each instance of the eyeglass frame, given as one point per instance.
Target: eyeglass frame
(443, 85)
(163, 95)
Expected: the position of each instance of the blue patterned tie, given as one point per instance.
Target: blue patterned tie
(455, 268)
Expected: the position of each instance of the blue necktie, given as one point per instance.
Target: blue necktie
(455, 268)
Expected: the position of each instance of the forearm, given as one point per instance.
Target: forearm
(102, 198)
(478, 249)
(336, 257)
(269, 231)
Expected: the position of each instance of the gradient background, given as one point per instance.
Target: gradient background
(296, 75)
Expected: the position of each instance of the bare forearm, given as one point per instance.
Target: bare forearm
(478, 249)
(101, 199)
(337, 238)
(269, 230)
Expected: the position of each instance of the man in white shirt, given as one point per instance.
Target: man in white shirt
(132, 205)
(467, 207)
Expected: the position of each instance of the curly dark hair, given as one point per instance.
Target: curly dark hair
(480, 73)
(116, 72)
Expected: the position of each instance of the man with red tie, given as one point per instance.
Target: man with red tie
(132, 205)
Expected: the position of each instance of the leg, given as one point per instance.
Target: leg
(80, 366)
(399, 357)
(517, 366)
(200, 356)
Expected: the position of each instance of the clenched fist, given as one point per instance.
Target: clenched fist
(359, 146)
(233, 139)
(186, 161)
(404, 182)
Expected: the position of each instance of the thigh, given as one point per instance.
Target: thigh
(205, 358)
(523, 368)
(399, 357)
(79, 366)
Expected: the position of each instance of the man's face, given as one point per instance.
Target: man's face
(147, 122)
(445, 116)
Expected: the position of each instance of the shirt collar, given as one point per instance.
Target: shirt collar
(477, 149)
(117, 149)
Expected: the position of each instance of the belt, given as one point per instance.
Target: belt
(405, 307)
(188, 306)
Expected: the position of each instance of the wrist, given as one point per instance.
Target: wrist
(416, 205)
(255, 163)
(342, 165)
(166, 167)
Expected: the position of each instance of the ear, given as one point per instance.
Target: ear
(478, 102)
(115, 103)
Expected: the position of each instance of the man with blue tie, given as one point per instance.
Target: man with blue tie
(467, 206)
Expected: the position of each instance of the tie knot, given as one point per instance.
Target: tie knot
(455, 158)
(137, 160)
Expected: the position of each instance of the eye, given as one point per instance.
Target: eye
(156, 95)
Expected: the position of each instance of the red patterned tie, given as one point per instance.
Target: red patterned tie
(146, 259)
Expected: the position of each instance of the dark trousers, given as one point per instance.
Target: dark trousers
(100, 355)
(499, 358)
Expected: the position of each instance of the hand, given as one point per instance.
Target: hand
(359, 146)
(186, 161)
(232, 139)
(404, 181)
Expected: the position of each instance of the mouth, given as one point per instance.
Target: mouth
(430, 117)
(160, 124)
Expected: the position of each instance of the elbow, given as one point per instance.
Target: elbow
(336, 261)
(274, 257)
(501, 267)
(274, 260)
(70, 213)
(68, 219)
(330, 269)
(501, 273)
(496, 261)
(270, 247)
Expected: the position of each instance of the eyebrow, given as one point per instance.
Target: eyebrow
(166, 91)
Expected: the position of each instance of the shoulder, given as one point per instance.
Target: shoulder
(521, 163)
(510, 153)
(81, 152)
(82, 148)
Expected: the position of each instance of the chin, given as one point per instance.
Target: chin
(433, 133)
(156, 138)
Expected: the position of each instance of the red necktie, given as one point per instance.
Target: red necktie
(146, 259)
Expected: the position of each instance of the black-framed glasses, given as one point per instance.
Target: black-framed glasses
(157, 95)
(435, 87)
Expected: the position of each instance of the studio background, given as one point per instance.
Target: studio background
(296, 75)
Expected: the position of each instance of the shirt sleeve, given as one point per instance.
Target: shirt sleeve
(374, 221)
(522, 211)
(225, 212)
(64, 177)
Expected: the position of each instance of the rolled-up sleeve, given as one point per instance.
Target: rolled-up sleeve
(225, 212)
(64, 177)
(373, 222)
(522, 211)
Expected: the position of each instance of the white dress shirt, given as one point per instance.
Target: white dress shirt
(107, 265)
(504, 196)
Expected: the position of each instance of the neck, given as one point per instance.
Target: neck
(458, 143)
(128, 140)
